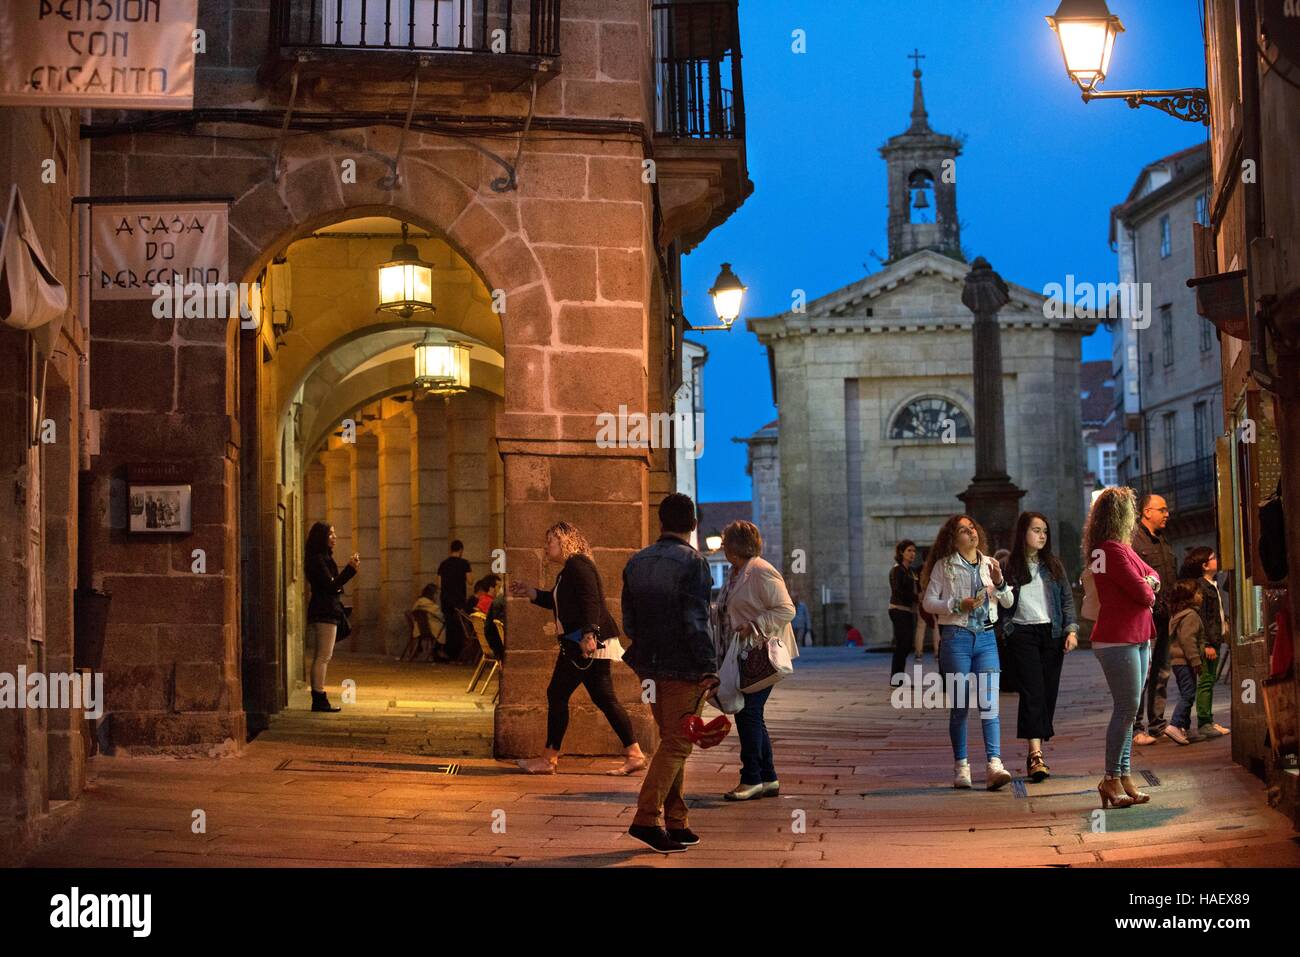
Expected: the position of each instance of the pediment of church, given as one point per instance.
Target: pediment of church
(922, 290)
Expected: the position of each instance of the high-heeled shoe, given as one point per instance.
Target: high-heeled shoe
(1112, 794)
(1139, 797)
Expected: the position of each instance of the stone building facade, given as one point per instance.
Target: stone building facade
(1168, 361)
(42, 750)
(876, 397)
(552, 163)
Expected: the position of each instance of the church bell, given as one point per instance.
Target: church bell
(921, 201)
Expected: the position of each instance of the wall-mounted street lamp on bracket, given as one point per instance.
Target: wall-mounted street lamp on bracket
(1087, 31)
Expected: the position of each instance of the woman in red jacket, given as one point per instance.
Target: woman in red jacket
(1121, 638)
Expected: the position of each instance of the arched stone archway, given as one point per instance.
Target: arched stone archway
(573, 267)
(573, 254)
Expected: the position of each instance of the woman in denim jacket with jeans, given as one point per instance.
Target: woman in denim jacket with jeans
(963, 587)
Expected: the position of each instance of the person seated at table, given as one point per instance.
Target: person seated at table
(427, 604)
(485, 592)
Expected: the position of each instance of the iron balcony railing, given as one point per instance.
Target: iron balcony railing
(1188, 487)
(523, 27)
(697, 70)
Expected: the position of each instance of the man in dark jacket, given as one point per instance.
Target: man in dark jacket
(666, 591)
(1153, 548)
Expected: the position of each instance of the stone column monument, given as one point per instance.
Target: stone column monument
(992, 499)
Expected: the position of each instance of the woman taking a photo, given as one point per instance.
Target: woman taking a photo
(1041, 630)
(755, 606)
(588, 639)
(1121, 638)
(963, 587)
(326, 615)
(902, 605)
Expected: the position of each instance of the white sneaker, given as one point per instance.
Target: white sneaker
(1176, 735)
(961, 777)
(996, 775)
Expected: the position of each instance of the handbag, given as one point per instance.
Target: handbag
(344, 625)
(763, 664)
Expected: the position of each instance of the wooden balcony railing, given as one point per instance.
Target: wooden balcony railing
(697, 70)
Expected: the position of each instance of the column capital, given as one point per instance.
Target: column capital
(984, 292)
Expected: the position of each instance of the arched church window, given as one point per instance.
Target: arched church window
(930, 417)
(920, 192)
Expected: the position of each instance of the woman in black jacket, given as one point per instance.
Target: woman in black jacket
(902, 605)
(588, 639)
(325, 610)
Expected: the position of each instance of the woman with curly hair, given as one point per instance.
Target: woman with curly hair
(963, 585)
(1121, 638)
(588, 639)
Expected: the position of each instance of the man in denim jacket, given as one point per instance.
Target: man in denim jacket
(666, 591)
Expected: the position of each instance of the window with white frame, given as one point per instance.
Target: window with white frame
(1109, 465)
(1166, 238)
(1203, 209)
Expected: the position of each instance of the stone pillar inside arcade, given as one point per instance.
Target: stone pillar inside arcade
(395, 545)
(364, 468)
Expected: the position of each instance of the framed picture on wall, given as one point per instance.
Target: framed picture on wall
(159, 509)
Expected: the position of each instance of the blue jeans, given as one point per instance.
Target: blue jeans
(1186, 678)
(963, 655)
(755, 745)
(1125, 668)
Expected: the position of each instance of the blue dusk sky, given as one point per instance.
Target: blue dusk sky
(1036, 181)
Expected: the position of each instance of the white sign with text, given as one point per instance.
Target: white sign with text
(138, 247)
(98, 54)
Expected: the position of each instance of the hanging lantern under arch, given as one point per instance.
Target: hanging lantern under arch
(441, 365)
(405, 281)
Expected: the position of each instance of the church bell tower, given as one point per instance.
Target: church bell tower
(922, 185)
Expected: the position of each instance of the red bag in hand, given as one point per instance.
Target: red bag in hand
(705, 735)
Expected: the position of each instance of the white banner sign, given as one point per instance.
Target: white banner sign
(98, 54)
(137, 247)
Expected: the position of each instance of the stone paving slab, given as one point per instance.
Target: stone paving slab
(863, 784)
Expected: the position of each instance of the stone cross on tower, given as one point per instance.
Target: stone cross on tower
(992, 499)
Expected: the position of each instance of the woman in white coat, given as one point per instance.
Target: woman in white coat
(963, 587)
(754, 604)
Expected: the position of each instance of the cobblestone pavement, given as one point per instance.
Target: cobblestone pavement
(863, 784)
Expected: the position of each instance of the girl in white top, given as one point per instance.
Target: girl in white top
(1042, 629)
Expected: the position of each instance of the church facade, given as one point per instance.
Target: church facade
(874, 385)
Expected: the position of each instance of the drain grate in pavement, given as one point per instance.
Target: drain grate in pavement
(303, 764)
(1018, 786)
(1151, 778)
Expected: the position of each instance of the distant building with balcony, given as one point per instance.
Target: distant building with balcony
(1166, 365)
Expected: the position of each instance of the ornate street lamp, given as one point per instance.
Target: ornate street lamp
(441, 365)
(1087, 31)
(405, 281)
(728, 293)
